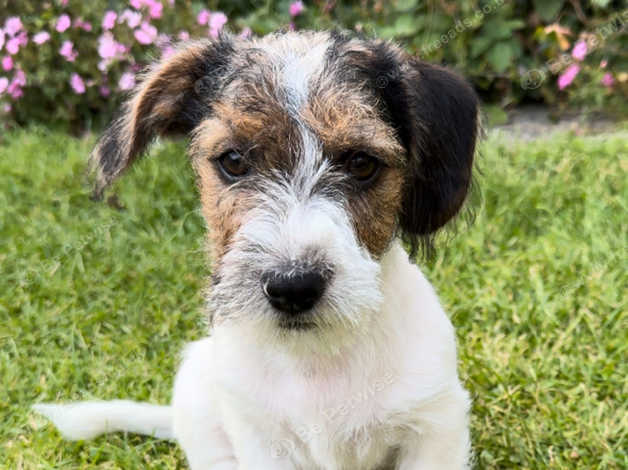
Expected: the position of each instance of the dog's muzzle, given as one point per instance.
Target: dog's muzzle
(294, 292)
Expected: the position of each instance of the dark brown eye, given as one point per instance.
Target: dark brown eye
(362, 167)
(233, 165)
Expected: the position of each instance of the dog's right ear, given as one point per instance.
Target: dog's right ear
(174, 96)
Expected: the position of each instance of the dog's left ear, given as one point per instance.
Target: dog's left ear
(435, 112)
(440, 134)
(175, 94)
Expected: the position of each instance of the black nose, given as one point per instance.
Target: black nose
(293, 293)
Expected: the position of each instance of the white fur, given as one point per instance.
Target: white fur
(90, 419)
(398, 385)
(377, 374)
(240, 404)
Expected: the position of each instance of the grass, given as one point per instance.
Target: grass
(97, 303)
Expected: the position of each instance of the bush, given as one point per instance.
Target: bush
(69, 62)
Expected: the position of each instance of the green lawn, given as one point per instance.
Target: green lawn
(97, 302)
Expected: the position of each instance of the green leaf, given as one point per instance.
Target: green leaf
(406, 25)
(500, 29)
(386, 32)
(480, 45)
(500, 56)
(548, 9)
(406, 5)
(515, 24)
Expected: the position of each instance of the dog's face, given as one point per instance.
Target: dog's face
(313, 152)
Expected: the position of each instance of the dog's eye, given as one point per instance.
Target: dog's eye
(362, 166)
(233, 165)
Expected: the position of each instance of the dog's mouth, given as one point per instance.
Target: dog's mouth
(297, 323)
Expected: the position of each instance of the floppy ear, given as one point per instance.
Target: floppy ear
(440, 130)
(435, 113)
(173, 97)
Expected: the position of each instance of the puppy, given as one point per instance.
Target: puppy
(316, 154)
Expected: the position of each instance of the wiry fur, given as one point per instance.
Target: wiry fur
(366, 378)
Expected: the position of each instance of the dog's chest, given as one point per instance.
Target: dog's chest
(348, 429)
(320, 446)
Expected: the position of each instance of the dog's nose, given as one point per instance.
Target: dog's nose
(293, 293)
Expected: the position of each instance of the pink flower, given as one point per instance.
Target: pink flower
(167, 51)
(15, 92)
(109, 20)
(246, 33)
(77, 84)
(296, 8)
(20, 77)
(104, 91)
(67, 51)
(7, 108)
(63, 23)
(15, 87)
(216, 21)
(155, 9)
(183, 35)
(162, 40)
(13, 46)
(579, 51)
(4, 84)
(608, 80)
(22, 38)
(132, 18)
(41, 37)
(64, 3)
(84, 25)
(203, 17)
(567, 77)
(603, 63)
(7, 63)
(127, 81)
(146, 34)
(13, 25)
(108, 47)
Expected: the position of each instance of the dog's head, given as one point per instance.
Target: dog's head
(313, 152)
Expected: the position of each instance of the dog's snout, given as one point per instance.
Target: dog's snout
(295, 292)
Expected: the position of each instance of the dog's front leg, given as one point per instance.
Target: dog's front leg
(196, 425)
(445, 451)
(443, 443)
(254, 446)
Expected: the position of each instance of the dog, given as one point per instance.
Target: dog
(318, 155)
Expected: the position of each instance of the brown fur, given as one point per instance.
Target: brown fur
(367, 96)
(374, 212)
(342, 119)
(223, 208)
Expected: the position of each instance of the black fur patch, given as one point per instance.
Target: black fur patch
(442, 124)
(196, 103)
(435, 114)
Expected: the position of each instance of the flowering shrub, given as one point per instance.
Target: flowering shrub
(70, 62)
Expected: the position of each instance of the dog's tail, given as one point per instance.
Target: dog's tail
(85, 420)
